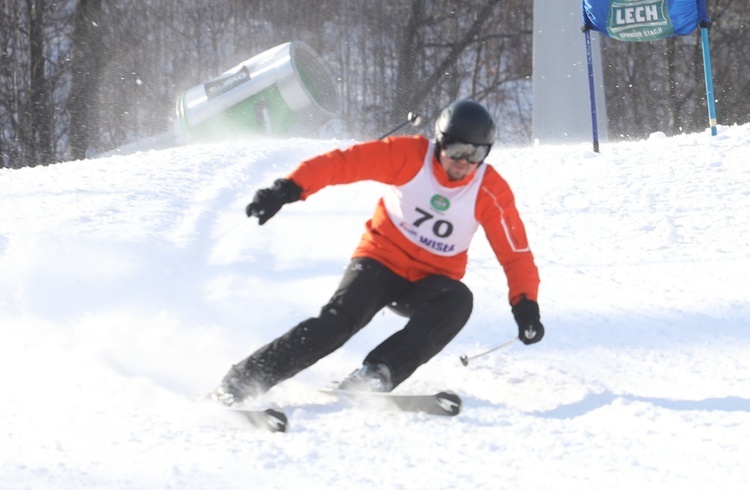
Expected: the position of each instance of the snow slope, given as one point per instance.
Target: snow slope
(128, 286)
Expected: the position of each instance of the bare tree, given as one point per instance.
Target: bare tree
(87, 60)
(8, 104)
(30, 79)
(81, 74)
(37, 127)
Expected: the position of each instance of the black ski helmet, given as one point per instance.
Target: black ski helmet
(466, 121)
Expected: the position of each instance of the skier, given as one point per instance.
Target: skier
(411, 257)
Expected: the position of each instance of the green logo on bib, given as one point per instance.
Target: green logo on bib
(440, 203)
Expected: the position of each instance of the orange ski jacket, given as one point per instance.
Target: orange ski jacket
(395, 161)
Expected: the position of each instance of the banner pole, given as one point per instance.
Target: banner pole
(710, 102)
(592, 89)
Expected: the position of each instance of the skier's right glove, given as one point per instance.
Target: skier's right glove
(530, 328)
(267, 202)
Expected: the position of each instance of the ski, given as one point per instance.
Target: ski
(270, 419)
(445, 403)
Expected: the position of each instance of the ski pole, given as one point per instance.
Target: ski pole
(465, 360)
(413, 118)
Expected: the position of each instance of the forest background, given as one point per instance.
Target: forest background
(83, 76)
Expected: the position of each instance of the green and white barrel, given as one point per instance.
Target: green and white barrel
(286, 90)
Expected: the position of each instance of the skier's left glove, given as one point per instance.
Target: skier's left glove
(267, 202)
(526, 313)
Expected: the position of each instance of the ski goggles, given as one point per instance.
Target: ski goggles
(458, 150)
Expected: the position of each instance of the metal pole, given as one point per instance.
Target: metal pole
(465, 360)
(412, 118)
(592, 89)
(709, 78)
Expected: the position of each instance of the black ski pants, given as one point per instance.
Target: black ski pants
(437, 307)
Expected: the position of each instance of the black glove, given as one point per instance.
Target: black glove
(267, 202)
(526, 313)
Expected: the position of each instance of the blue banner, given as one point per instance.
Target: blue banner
(644, 20)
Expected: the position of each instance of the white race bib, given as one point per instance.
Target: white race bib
(436, 218)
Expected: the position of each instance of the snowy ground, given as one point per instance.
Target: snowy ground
(128, 285)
